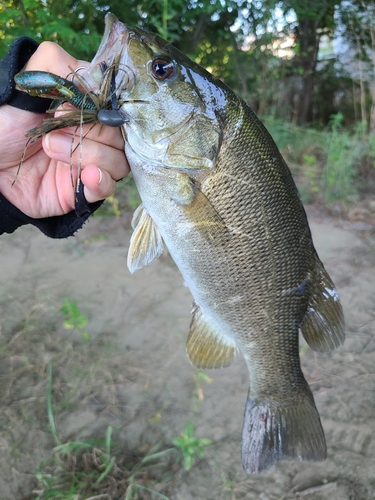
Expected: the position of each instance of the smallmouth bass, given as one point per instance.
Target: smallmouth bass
(216, 190)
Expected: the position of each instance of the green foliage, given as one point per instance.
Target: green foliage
(156, 460)
(66, 23)
(79, 469)
(66, 481)
(339, 171)
(325, 163)
(73, 318)
(190, 445)
(58, 477)
(238, 40)
(51, 418)
(311, 173)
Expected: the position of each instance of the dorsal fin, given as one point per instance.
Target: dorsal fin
(207, 348)
(323, 324)
(146, 243)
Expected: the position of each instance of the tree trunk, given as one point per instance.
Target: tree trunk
(372, 85)
(309, 45)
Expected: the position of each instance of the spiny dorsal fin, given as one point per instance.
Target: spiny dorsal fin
(205, 347)
(323, 324)
(146, 243)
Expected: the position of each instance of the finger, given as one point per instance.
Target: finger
(59, 146)
(97, 132)
(98, 183)
(52, 58)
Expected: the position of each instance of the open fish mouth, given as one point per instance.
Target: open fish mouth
(112, 57)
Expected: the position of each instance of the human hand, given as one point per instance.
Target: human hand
(43, 187)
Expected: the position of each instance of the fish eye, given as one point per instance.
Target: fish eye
(162, 69)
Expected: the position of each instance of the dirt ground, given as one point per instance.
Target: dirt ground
(133, 373)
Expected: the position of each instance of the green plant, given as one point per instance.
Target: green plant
(73, 318)
(187, 442)
(311, 171)
(56, 476)
(155, 459)
(80, 469)
(342, 154)
(190, 445)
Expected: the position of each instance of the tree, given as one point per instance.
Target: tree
(357, 21)
(61, 22)
(312, 20)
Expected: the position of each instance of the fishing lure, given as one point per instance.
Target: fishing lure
(90, 108)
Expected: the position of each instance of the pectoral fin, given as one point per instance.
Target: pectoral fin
(323, 324)
(146, 243)
(205, 347)
(137, 216)
(197, 209)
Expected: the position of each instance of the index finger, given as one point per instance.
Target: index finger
(52, 58)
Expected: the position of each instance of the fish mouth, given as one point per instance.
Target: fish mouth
(111, 57)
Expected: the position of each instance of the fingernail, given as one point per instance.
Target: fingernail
(100, 175)
(58, 143)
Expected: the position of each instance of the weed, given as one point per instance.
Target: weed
(74, 319)
(51, 418)
(311, 172)
(78, 469)
(339, 171)
(190, 445)
(325, 163)
(91, 375)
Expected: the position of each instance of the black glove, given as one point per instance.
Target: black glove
(11, 218)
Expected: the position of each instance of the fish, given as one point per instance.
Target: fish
(217, 193)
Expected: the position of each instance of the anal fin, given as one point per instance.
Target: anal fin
(206, 347)
(146, 243)
(323, 324)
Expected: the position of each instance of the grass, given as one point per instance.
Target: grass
(330, 165)
(47, 377)
(79, 470)
(189, 445)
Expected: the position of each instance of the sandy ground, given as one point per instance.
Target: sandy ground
(134, 375)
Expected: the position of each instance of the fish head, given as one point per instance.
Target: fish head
(169, 104)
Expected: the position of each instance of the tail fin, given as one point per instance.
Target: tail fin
(271, 433)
